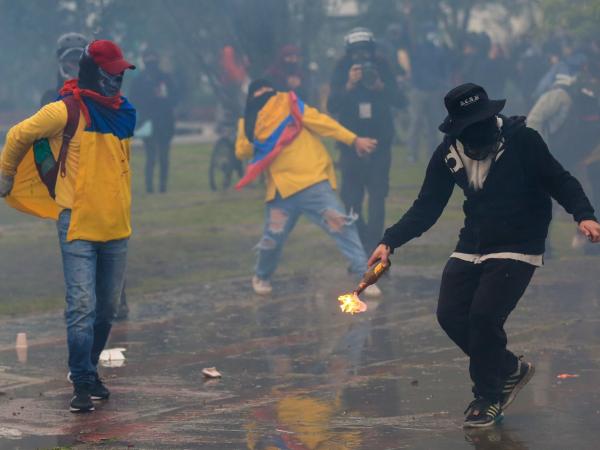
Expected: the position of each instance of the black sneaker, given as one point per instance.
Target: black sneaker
(516, 382)
(98, 391)
(82, 400)
(482, 413)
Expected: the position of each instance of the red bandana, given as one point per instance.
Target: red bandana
(70, 88)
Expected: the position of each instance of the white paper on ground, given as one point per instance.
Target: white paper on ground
(113, 354)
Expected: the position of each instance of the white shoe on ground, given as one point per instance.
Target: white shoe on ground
(261, 287)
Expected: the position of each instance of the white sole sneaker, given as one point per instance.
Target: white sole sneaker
(261, 287)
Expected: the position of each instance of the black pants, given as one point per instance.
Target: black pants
(475, 301)
(367, 175)
(157, 147)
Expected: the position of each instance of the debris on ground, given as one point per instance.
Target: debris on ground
(564, 376)
(112, 357)
(211, 372)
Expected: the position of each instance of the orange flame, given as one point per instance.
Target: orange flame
(564, 376)
(351, 304)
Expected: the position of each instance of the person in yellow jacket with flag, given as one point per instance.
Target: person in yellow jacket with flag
(70, 162)
(280, 135)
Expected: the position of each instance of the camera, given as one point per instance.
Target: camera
(370, 75)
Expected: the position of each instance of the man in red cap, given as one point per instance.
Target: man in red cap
(70, 162)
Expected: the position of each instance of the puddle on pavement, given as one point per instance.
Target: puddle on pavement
(299, 374)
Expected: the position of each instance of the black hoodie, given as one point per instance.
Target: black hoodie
(512, 212)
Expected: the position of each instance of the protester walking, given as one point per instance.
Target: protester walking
(70, 162)
(508, 177)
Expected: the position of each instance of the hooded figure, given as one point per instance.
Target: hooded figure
(508, 177)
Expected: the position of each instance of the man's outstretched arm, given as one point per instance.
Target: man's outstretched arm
(425, 211)
(564, 188)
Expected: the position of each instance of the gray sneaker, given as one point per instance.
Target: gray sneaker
(516, 382)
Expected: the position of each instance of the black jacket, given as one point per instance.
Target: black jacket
(155, 96)
(345, 104)
(512, 212)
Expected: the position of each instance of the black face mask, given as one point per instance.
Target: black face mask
(481, 139)
(253, 107)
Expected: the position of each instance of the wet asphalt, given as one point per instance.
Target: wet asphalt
(298, 374)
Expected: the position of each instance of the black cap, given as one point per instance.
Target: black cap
(466, 105)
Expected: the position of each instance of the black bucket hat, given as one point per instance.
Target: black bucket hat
(466, 105)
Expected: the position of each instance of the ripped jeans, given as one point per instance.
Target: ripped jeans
(320, 204)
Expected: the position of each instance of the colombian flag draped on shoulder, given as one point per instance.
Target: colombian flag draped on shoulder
(266, 152)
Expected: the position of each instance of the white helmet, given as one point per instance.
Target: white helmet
(359, 35)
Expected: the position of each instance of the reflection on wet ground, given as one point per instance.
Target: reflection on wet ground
(298, 374)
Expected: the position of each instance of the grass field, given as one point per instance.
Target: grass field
(191, 236)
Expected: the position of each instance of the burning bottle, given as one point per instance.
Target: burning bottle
(351, 303)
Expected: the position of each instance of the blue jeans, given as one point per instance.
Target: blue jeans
(94, 274)
(320, 204)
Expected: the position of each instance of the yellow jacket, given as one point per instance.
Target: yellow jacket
(97, 186)
(305, 161)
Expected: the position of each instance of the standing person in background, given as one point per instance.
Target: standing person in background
(233, 80)
(88, 133)
(286, 72)
(363, 93)
(281, 134)
(568, 117)
(427, 77)
(482, 62)
(155, 96)
(69, 48)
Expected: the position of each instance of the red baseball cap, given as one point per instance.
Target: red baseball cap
(108, 56)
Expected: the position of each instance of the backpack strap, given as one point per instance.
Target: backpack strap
(69, 131)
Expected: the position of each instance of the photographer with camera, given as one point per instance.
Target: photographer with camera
(363, 92)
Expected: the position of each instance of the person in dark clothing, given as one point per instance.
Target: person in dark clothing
(509, 177)
(363, 93)
(155, 95)
(482, 62)
(568, 117)
(69, 48)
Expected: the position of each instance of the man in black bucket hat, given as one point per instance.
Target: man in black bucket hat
(508, 177)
